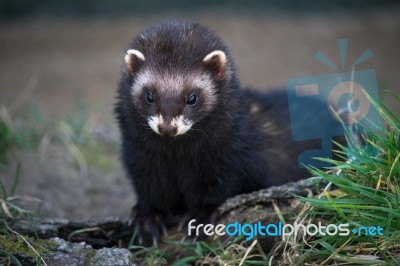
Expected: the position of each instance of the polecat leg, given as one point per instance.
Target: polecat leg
(148, 226)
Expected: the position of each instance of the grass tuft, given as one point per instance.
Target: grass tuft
(10, 241)
(363, 191)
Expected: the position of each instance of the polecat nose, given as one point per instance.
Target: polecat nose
(166, 129)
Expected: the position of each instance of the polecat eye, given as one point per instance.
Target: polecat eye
(192, 99)
(149, 97)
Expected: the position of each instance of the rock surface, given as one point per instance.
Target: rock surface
(93, 242)
(82, 254)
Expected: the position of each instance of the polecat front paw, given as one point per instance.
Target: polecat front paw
(149, 227)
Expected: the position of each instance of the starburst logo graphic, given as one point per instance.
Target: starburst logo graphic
(343, 43)
(321, 106)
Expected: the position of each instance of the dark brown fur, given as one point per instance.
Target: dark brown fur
(240, 144)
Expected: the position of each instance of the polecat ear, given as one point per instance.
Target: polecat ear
(216, 62)
(133, 60)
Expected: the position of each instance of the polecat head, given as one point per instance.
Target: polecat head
(177, 72)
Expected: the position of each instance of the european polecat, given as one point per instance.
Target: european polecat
(191, 137)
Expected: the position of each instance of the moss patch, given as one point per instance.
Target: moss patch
(17, 246)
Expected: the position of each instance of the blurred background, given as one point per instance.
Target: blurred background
(60, 63)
